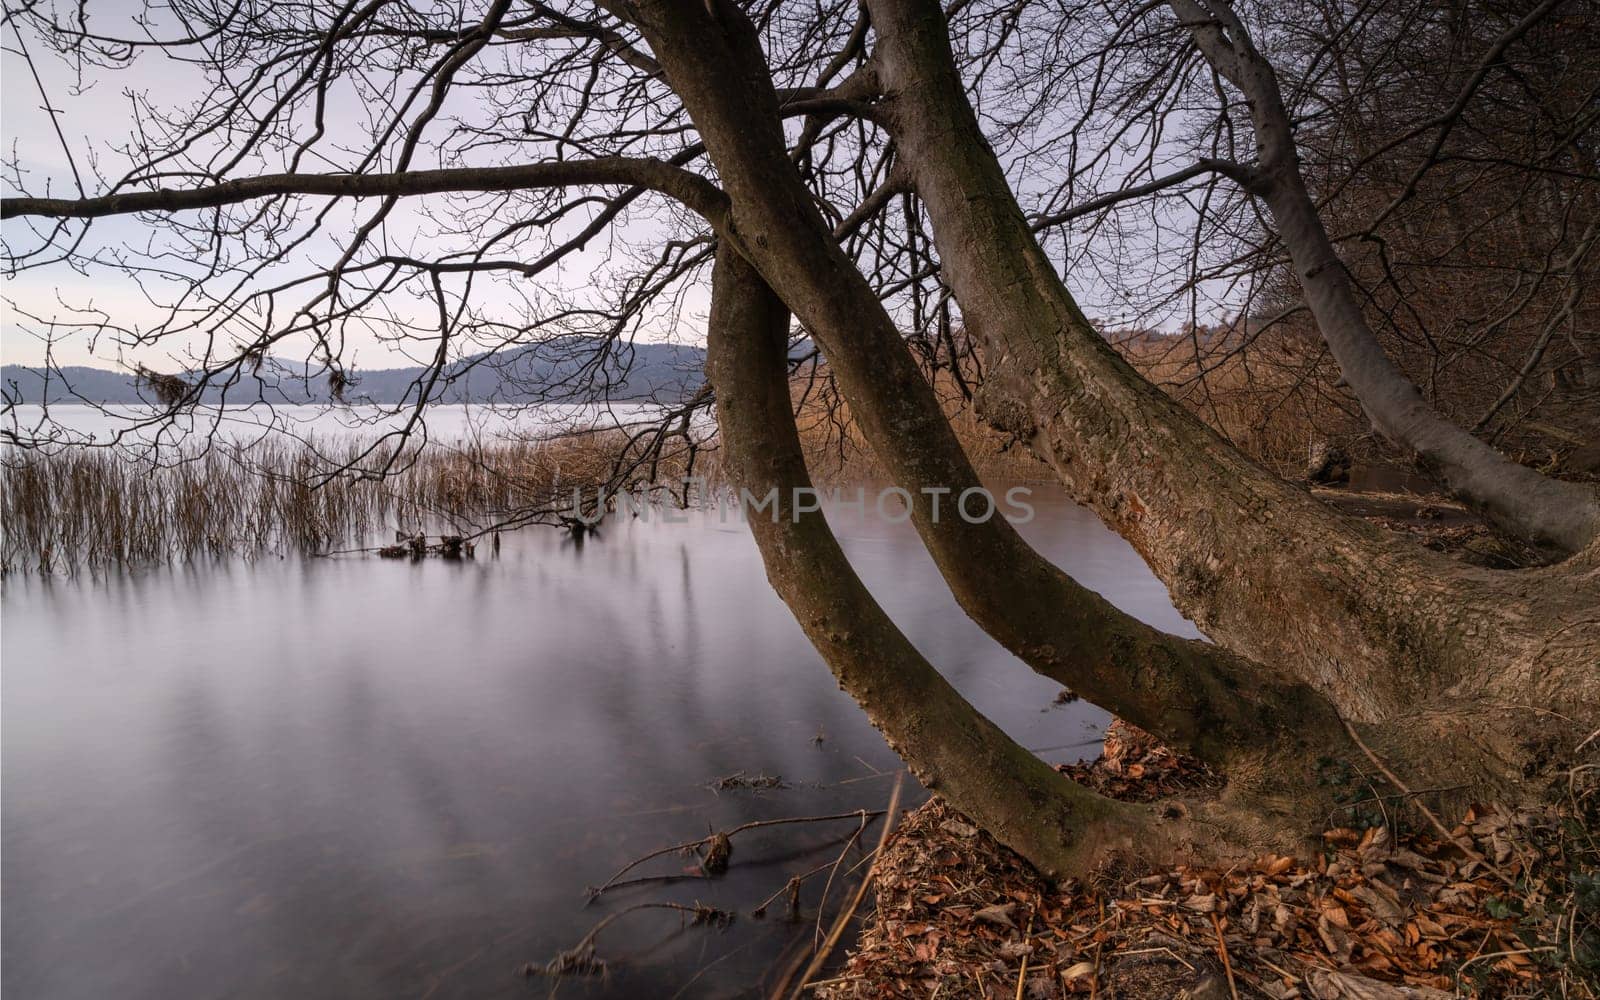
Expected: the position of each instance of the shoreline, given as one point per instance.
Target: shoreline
(1370, 914)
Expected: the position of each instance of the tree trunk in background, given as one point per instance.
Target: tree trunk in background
(1543, 510)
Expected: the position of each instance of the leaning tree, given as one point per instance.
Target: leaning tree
(837, 170)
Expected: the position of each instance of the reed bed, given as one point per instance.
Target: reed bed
(1273, 401)
(86, 508)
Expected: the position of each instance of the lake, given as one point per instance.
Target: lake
(365, 778)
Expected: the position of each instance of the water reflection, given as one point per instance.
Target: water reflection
(368, 778)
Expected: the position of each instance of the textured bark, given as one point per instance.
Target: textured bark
(1058, 825)
(1377, 624)
(1544, 510)
(1197, 695)
(1273, 739)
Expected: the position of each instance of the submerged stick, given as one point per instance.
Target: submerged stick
(581, 959)
(719, 839)
(843, 919)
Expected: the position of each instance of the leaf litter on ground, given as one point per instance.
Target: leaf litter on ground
(1368, 915)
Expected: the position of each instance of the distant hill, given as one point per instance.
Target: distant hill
(567, 370)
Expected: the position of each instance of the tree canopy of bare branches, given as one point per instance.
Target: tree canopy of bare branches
(906, 184)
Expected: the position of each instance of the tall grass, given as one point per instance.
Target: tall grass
(78, 508)
(1273, 400)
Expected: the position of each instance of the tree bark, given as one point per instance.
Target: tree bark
(1547, 511)
(1377, 624)
(952, 748)
(1199, 696)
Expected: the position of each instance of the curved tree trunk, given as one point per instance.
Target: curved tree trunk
(1278, 792)
(1376, 623)
(1521, 500)
(1153, 471)
(1267, 732)
(1197, 695)
(949, 746)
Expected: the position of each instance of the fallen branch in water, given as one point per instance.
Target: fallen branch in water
(842, 921)
(791, 888)
(416, 547)
(739, 779)
(827, 886)
(581, 958)
(719, 846)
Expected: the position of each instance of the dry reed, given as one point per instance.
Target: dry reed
(78, 508)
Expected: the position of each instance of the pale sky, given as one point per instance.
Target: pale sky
(97, 116)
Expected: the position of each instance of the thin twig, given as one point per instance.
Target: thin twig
(1461, 842)
(1222, 949)
(843, 919)
(689, 845)
(1022, 971)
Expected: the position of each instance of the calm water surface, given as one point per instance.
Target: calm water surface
(361, 778)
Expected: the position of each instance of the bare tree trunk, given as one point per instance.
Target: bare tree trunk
(1197, 695)
(1533, 506)
(1377, 624)
(1058, 825)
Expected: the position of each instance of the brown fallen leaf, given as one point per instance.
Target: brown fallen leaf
(1335, 938)
(1081, 970)
(999, 914)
